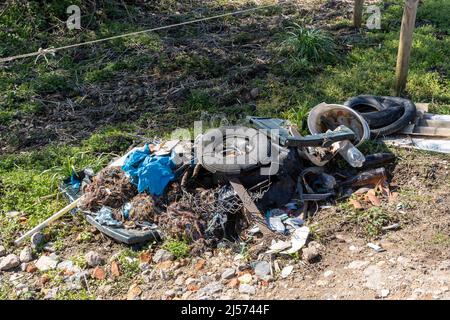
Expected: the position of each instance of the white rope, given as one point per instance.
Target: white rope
(43, 52)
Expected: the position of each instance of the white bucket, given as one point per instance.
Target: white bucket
(340, 115)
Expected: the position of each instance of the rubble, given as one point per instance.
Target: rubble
(228, 274)
(37, 240)
(9, 262)
(93, 259)
(247, 288)
(26, 255)
(45, 263)
(162, 255)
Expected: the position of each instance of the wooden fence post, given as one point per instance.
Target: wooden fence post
(405, 44)
(357, 13)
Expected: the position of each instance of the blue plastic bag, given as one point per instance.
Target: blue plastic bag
(149, 172)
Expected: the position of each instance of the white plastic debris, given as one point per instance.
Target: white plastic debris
(375, 247)
(298, 240)
(278, 246)
(286, 271)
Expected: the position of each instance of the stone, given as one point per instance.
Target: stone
(9, 262)
(68, 267)
(211, 288)
(165, 265)
(105, 289)
(145, 257)
(199, 264)
(321, 283)
(93, 259)
(190, 281)
(134, 292)
(26, 255)
(179, 281)
(49, 247)
(228, 273)
(384, 293)
(233, 283)
(162, 255)
(357, 264)
(262, 268)
(193, 287)
(247, 288)
(238, 257)
(144, 266)
(328, 273)
(51, 293)
(12, 214)
(373, 276)
(98, 273)
(245, 278)
(37, 240)
(115, 270)
(2, 251)
(31, 267)
(45, 263)
(170, 293)
(310, 254)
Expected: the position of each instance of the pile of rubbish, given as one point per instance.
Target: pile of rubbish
(235, 183)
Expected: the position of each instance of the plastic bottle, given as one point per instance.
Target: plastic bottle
(350, 153)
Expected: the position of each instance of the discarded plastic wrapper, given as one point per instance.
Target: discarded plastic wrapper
(298, 240)
(286, 271)
(275, 219)
(149, 172)
(375, 247)
(278, 246)
(105, 217)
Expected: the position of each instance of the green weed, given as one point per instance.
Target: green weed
(179, 249)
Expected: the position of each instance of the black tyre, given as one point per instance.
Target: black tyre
(385, 115)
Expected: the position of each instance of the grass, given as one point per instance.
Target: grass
(306, 49)
(82, 294)
(128, 262)
(179, 249)
(370, 220)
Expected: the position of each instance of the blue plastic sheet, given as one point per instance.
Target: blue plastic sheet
(105, 217)
(75, 182)
(149, 172)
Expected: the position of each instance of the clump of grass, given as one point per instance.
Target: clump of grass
(198, 100)
(82, 294)
(306, 48)
(370, 220)
(179, 249)
(129, 262)
(79, 261)
(109, 141)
